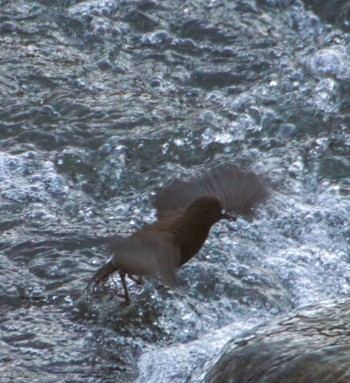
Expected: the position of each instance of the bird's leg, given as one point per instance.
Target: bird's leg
(138, 280)
(125, 286)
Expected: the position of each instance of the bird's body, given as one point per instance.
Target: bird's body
(162, 247)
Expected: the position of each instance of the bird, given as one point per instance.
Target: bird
(186, 211)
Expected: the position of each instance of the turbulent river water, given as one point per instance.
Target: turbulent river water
(101, 102)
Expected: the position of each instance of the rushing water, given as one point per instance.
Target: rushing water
(103, 101)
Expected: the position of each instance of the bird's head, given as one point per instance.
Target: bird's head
(208, 210)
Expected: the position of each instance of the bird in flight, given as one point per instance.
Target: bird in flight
(186, 210)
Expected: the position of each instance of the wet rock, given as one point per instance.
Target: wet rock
(310, 346)
(335, 12)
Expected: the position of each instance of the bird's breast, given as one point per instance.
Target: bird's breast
(191, 242)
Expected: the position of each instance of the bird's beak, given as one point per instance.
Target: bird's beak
(228, 216)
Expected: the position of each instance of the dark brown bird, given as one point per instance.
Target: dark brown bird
(186, 210)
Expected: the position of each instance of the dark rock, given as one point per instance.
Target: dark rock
(310, 346)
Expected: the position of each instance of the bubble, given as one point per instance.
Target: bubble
(103, 65)
(93, 8)
(37, 293)
(207, 116)
(327, 62)
(156, 38)
(48, 109)
(287, 130)
(156, 82)
(8, 27)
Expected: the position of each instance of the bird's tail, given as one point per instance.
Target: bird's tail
(101, 274)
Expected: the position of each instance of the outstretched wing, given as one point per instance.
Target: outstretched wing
(239, 191)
